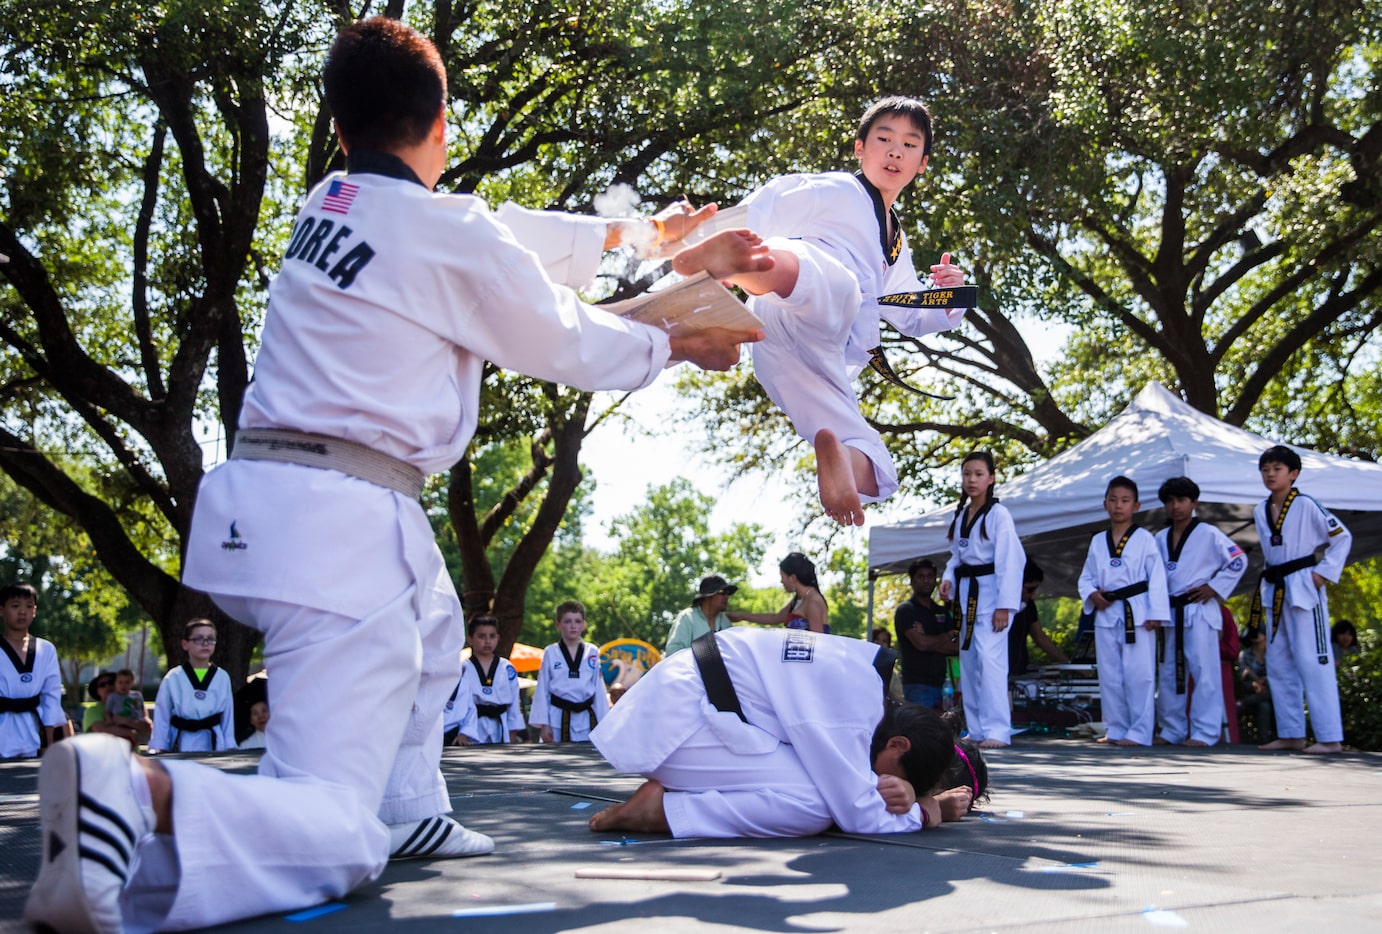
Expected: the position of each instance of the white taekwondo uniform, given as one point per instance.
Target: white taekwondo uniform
(499, 690)
(1204, 555)
(1300, 654)
(812, 702)
(390, 301)
(1127, 671)
(181, 696)
(990, 540)
(818, 339)
(34, 675)
(558, 683)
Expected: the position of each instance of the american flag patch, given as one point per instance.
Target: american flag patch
(339, 197)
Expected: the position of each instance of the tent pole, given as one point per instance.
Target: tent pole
(868, 633)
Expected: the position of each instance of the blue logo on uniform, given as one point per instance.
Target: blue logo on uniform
(964, 543)
(1236, 564)
(798, 645)
(487, 690)
(1115, 562)
(1170, 565)
(513, 672)
(450, 705)
(234, 543)
(199, 695)
(593, 662)
(26, 677)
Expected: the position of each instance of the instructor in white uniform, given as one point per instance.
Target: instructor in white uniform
(390, 300)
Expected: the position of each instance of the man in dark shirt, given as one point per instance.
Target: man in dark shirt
(925, 637)
(1027, 623)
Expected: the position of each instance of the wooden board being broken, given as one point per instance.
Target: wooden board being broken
(691, 305)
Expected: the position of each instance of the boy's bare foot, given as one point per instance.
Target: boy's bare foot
(1195, 742)
(642, 813)
(993, 744)
(1283, 744)
(1324, 749)
(724, 255)
(955, 803)
(1123, 742)
(1161, 741)
(1103, 739)
(835, 479)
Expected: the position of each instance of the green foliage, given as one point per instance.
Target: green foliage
(665, 548)
(1360, 692)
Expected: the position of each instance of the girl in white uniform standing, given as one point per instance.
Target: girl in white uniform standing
(984, 577)
(194, 710)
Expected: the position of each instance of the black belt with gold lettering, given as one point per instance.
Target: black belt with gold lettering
(1178, 604)
(1276, 574)
(961, 296)
(970, 614)
(568, 707)
(1123, 593)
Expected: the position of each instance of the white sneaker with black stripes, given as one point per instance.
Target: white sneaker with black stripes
(91, 823)
(436, 838)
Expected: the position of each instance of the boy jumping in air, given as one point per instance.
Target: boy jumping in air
(838, 248)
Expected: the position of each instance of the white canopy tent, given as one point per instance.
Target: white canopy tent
(1058, 506)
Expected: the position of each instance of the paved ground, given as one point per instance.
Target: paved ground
(1076, 837)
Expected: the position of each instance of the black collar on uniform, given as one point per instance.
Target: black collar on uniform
(375, 162)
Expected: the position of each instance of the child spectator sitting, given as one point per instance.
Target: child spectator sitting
(569, 681)
(259, 719)
(485, 707)
(124, 706)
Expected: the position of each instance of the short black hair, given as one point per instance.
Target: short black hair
(1179, 486)
(1032, 572)
(919, 564)
(385, 84)
(108, 677)
(18, 589)
(475, 622)
(908, 107)
(1279, 454)
(931, 739)
(1125, 483)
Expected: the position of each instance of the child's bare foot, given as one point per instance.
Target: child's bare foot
(1324, 749)
(835, 478)
(1161, 741)
(1283, 744)
(993, 744)
(726, 254)
(1196, 742)
(955, 803)
(642, 813)
(1123, 742)
(1103, 739)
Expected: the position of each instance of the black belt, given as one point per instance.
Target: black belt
(496, 711)
(970, 614)
(1123, 593)
(19, 704)
(184, 725)
(715, 676)
(1178, 604)
(1276, 574)
(27, 705)
(567, 708)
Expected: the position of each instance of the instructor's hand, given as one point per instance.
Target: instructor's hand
(680, 218)
(946, 276)
(713, 348)
(898, 795)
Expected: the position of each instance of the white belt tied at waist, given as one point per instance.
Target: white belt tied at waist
(309, 450)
